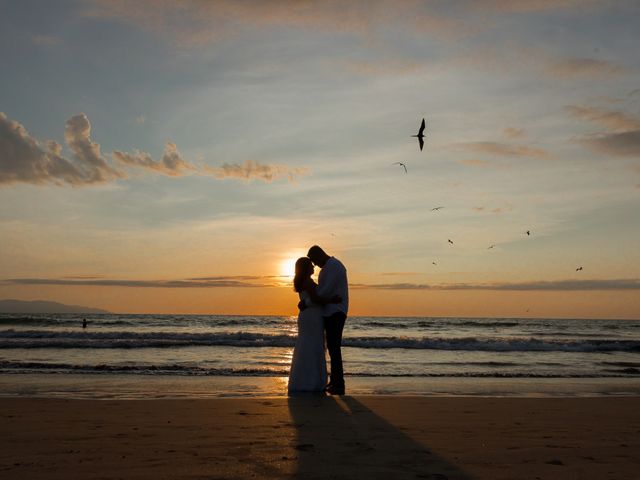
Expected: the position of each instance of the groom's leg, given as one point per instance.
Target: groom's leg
(333, 326)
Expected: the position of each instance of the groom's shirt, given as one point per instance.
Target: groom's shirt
(332, 280)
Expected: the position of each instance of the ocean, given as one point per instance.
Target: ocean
(193, 356)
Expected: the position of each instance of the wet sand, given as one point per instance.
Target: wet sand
(321, 438)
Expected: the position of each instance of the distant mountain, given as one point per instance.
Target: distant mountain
(40, 306)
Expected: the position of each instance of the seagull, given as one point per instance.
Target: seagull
(490, 247)
(434, 263)
(528, 232)
(579, 268)
(435, 209)
(449, 240)
(420, 135)
(402, 165)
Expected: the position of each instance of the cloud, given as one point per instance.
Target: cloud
(625, 144)
(45, 40)
(200, 22)
(622, 135)
(509, 208)
(524, 6)
(24, 159)
(557, 285)
(252, 170)
(76, 134)
(515, 133)
(253, 281)
(476, 163)
(393, 274)
(610, 119)
(171, 163)
(203, 282)
(386, 68)
(590, 67)
(505, 150)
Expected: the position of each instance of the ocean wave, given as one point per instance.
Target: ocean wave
(82, 339)
(14, 367)
(129, 339)
(495, 344)
(436, 324)
(167, 369)
(138, 321)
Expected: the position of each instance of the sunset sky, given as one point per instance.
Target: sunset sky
(176, 157)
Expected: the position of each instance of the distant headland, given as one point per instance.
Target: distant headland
(41, 306)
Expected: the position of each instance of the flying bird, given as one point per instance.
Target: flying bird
(420, 134)
(490, 247)
(434, 263)
(528, 232)
(435, 209)
(578, 269)
(450, 241)
(402, 165)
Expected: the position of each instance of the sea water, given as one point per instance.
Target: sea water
(159, 356)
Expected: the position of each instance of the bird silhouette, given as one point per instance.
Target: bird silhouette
(402, 165)
(528, 232)
(420, 134)
(578, 269)
(490, 247)
(434, 263)
(450, 241)
(435, 209)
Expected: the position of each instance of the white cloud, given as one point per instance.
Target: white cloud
(171, 163)
(24, 159)
(86, 152)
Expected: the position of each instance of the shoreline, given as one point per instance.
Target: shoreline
(319, 437)
(124, 387)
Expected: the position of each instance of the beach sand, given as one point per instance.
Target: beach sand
(322, 438)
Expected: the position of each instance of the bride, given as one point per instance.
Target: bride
(308, 365)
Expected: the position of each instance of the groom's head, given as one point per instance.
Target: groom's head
(318, 256)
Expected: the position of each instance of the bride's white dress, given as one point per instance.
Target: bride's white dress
(308, 365)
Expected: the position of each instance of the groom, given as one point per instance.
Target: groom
(332, 281)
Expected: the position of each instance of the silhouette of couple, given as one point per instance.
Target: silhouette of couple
(323, 311)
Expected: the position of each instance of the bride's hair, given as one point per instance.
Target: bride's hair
(303, 270)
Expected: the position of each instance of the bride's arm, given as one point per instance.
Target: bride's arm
(312, 289)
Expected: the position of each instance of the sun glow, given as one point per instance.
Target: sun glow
(288, 267)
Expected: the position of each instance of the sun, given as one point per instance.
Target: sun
(288, 267)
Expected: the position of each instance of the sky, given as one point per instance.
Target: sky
(178, 156)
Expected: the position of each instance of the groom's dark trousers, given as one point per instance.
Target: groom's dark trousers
(333, 326)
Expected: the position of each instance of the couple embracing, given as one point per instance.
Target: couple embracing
(323, 311)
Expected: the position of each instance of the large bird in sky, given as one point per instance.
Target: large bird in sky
(420, 134)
